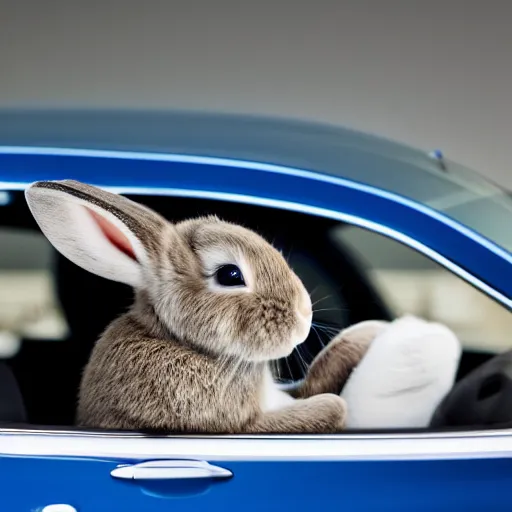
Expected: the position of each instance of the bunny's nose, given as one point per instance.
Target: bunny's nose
(305, 307)
(304, 318)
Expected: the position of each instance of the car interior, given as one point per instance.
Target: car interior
(39, 384)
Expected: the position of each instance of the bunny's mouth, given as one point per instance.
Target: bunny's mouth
(299, 336)
(282, 345)
(282, 349)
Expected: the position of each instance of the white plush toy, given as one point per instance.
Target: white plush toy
(409, 366)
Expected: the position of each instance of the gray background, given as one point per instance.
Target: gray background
(431, 73)
(428, 73)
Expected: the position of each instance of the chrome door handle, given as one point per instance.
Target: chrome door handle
(170, 470)
(59, 508)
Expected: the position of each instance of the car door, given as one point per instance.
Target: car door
(107, 474)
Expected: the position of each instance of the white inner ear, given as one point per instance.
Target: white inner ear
(74, 232)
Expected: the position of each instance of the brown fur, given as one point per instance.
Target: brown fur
(186, 357)
(184, 391)
(136, 380)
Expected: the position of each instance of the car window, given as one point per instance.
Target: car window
(412, 283)
(28, 305)
(329, 304)
(52, 312)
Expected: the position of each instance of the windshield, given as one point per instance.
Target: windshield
(444, 186)
(479, 204)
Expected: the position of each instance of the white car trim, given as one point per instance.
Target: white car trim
(474, 445)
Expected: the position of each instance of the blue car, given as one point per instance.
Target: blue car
(373, 228)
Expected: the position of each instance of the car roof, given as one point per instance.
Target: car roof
(322, 148)
(286, 142)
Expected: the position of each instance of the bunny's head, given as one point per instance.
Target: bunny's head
(213, 285)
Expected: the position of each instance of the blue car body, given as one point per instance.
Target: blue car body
(319, 170)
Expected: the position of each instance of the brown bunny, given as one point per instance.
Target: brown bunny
(214, 303)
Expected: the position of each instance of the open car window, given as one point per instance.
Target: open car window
(28, 305)
(411, 283)
(56, 310)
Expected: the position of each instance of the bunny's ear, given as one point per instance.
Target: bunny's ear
(102, 232)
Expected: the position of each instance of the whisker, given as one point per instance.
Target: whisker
(318, 336)
(290, 373)
(288, 254)
(328, 330)
(328, 334)
(303, 363)
(278, 370)
(329, 309)
(326, 327)
(328, 324)
(314, 290)
(320, 300)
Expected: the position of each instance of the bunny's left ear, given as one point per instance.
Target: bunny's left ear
(104, 233)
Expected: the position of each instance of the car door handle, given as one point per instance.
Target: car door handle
(59, 508)
(170, 470)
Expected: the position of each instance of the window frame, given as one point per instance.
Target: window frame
(451, 244)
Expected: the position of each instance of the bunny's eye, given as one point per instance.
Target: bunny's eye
(229, 275)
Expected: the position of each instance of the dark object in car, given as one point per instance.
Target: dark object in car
(483, 398)
(12, 408)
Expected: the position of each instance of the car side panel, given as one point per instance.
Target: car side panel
(29, 484)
